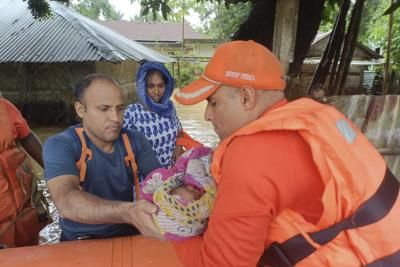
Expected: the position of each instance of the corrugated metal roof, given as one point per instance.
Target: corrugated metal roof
(66, 37)
(154, 31)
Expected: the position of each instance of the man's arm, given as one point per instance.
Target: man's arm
(62, 178)
(77, 205)
(33, 147)
(27, 138)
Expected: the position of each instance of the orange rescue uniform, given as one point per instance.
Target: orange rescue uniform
(293, 171)
(18, 218)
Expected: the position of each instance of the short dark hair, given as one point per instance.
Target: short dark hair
(84, 83)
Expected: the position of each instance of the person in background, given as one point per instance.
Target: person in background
(92, 169)
(20, 218)
(298, 183)
(154, 114)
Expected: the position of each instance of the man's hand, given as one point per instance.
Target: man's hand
(141, 216)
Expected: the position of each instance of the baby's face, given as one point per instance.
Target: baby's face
(186, 192)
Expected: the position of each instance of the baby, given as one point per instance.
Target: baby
(187, 192)
(184, 194)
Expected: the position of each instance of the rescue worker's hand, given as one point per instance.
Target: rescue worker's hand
(141, 215)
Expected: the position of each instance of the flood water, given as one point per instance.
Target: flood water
(192, 119)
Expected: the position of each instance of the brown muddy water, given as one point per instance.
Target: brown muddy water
(192, 119)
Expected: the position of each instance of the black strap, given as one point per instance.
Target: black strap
(392, 260)
(297, 248)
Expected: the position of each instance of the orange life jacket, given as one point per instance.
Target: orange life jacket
(352, 171)
(87, 155)
(19, 222)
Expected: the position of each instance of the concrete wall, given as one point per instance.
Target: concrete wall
(44, 92)
(124, 73)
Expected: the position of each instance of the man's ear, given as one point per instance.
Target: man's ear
(79, 109)
(248, 97)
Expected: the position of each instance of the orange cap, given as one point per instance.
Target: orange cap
(237, 64)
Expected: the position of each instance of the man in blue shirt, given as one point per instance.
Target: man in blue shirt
(103, 205)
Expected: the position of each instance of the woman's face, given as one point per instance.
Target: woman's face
(155, 86)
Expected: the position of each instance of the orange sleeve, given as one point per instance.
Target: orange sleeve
(21, 127)
(262, 174)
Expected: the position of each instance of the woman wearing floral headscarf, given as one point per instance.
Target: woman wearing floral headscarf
(154, 114)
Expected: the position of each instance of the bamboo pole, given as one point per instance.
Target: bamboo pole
(333, 45)
(348, 48)
(386, 73)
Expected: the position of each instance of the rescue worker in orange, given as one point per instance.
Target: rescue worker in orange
(298, 183)
(19, 221)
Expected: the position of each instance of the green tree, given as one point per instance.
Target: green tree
(374, 29)
(218, 20)
(221, 21)
(392, 8)
(94, 9)
(97, 9)
(40, 9)
(331, 10)
(172, 10)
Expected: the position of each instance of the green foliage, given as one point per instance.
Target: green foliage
(188, 73)
(171, 10)
(40, 9)
(94, 9)
(185, 72)
(392, 8)
(373, 28)
(156, 7)
(221, 22)
(168, 8)
(97, 9)
(331, 10)
(374, 31)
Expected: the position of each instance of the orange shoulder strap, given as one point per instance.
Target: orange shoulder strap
(85, 155)
(130, 160)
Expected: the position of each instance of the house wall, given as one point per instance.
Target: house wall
(44, 92)
(297, 86)
(124, 73)
(205, 50)
(192, 49)
(317, 50)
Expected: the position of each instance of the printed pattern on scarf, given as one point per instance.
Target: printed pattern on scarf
(160, 131)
